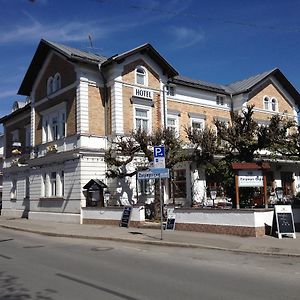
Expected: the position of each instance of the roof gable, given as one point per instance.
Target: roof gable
(151, 52)
(41, 54)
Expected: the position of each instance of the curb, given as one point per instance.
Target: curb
(155, 243)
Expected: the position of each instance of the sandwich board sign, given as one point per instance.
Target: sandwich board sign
(284, 221)
(126, 216)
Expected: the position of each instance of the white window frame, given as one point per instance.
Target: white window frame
(266, 101)
(170, 90)
(50, 86)
(56, 82)
(174, 127)
(48, 130)
(149, 116)
(220, 100)
(198, 121)
(53, 184)
(138, 74)
(275, 102)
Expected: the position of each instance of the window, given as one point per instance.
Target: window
(179, 183)
(146, 186)
(53, 84)
(142, 119)
(170, 90)
(50, 86)
(172, 124)
(141, 76)
(13, 189)
(273, 104)
(56, 82)
(54, 124)
(197, 124)
(53, 186)
(220, 100)
(266, 103)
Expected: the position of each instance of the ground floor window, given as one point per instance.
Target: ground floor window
(179, 183)
(53, 184)
(13, 190)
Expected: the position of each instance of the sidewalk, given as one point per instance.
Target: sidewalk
(263, 245)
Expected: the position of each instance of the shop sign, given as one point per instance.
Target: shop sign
(250, 178)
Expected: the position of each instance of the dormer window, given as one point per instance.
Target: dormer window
(141, 75)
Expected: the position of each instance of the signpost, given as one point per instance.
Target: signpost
(284, 221)
(158, 171)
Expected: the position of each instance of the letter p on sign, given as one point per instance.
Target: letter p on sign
(159, 151)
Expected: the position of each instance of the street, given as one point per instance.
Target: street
(39, 267)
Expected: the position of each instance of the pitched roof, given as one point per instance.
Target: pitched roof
(95, 185)
(242, 86)
(199, 84)
(77, 55)
(40, 55)
(151, 52)
(246, 84)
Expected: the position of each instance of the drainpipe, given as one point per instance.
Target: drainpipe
(164, 106)
(105, 95)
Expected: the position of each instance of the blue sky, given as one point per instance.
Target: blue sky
(217, 41)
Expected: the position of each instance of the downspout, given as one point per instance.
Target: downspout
(105, 95)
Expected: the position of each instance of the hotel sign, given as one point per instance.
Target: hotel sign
(142, 93)
(250, 178)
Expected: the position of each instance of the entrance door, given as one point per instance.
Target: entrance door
(287, 183)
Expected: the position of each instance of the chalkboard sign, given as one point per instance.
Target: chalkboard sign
(126, 216)
(284, 220)
(170, 225)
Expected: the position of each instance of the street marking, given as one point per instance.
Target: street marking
(4, 256)
(7, 240)
(109, 291)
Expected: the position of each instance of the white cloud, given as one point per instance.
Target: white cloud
(186, 37)
(33, 30)
(8, 93)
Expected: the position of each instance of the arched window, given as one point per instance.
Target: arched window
(274, 104)
(56, 82)
(266, 103)
(50, 86)
(141, 75)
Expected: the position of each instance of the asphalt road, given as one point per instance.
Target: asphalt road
(39, 267)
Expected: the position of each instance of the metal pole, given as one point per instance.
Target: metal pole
(161, 210)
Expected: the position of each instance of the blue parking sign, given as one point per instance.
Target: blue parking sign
(159, 151)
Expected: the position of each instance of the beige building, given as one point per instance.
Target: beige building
(55, 142)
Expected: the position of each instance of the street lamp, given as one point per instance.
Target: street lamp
(213, 195)
(279, 193)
